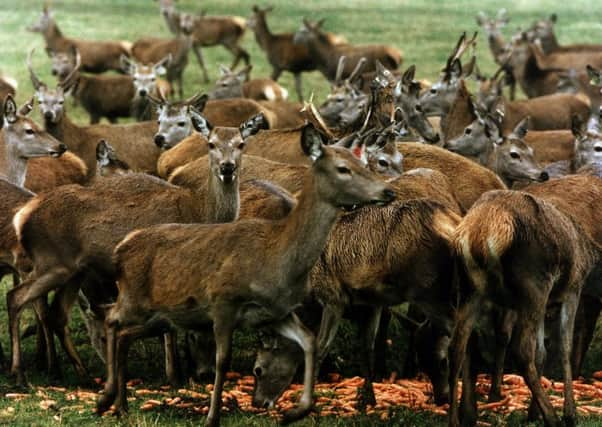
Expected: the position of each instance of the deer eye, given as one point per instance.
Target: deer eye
(598, 149)
(514, 155)
(467, 131)
(241, 145)
(211, 145)
(61, 102)
(383, 163)
(344, 170)
(29, 131)
(258, 371)
(181, 124)
(419, 108)
(433, 91)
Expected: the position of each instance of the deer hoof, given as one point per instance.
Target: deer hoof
(294, 415)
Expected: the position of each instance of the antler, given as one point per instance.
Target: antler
(340, 67)
(313, 116)
(68, 81)
(358, 68)
(160, 100)
(463, 45)
(37, 83)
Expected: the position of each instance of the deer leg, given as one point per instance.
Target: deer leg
(503, 325)
(567, 324)
(380, 345)
(468, 401)
(172, 361)
(110, 390)
(61, 310)
(45, 338)
(465, 319)
(533, 413)
(298, 86)
(368, 331)
(238, 53)
(18, 297)
(199, 57)
(585, 326)
(223, 329)
(329, 325)
(527, 328)
(292, 328)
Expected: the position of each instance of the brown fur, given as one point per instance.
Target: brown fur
(460, 115)
(105, 96)
(469, 180)
(6, 89)
(12, 198)
(551, 146)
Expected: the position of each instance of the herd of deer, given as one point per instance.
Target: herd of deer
(224, 210)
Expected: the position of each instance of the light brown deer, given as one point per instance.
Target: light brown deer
(215, 30)
(238, 84)
(336, 180)
(543, 30)
(282, 53)
(526, 251)
(8, 86)
(88, 242)
(97, 56)
(327, 54)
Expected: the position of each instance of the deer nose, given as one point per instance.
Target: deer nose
(54, 72)
(159, 140)
(544, 176)
(227, 168)
(142, 92)
(48, 115)
(436, 139)
(62, 148)
(388, 195)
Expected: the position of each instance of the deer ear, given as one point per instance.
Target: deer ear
(200, 123)
(10, 109)
(521, 129)
(594, 76)
(253, 125)
(244, 74)
(103, 152)
(481, 18)
(27, 107)
(553, 18)
(223, 70)
(455, 70)
(161, 66)
(320, 23)
(125, 64)
(312, 142)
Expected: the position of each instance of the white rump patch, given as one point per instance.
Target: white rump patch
(269, 93)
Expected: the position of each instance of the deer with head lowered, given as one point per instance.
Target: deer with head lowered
(97, 56)
(244, 291)
(88, 242)
(238, 84)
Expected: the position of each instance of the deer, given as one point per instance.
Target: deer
(548, 258)
(101, 96)
(282, 53)
(543, 30)
(336, 179)
(497, 44)
(133, 141)
(96, 241)
(216, 30)
(97, 56)
(152, 50)
(327, 53)
(239, 85)
(145, 79)
(108, 164)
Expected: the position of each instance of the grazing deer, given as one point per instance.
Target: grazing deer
(283, 54)
(145, 79)
(97, 56)
(327, 54)
(215, 30)
(95, 241)
(336, 180)
(153, 50)
(101, 96)
(526, 251)
(418, 229)
(239, 85)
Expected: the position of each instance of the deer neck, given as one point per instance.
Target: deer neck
(69, 133)
(222, 201)
(305, 231)
(262, 33)
(459, 115)
(16, 166)
(494, 163)
(172, 19)
(550, 43)
(53, 35)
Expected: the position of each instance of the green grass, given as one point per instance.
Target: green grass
(425, 31)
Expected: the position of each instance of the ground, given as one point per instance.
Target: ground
(424, 31)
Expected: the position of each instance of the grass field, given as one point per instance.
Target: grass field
(425, 31)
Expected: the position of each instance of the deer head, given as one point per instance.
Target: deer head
(229, 85)
(493, 26)
(44, 23)
(177, 120)
(107, 162)
(342, 92)
(588, 141)
(258, 15)
(144, 77)
(309, 31)
(52, 101)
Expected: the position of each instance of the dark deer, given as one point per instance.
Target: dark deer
(97, 56)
